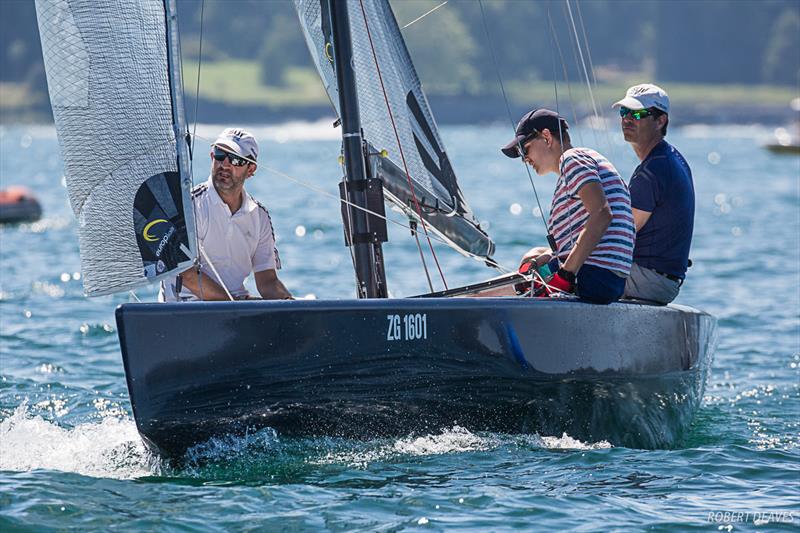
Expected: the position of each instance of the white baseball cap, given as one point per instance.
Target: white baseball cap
(645, 96)
(239, 142)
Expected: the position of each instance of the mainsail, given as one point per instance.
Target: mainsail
(113, 73)
(434, 182)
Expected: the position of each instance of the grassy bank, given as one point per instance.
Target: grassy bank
(238, 83)
(236, 89)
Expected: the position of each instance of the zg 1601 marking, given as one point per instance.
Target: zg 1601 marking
(408, 328)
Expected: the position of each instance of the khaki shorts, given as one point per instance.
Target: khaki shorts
(646, 284)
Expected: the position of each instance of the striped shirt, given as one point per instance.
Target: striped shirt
(580, 166)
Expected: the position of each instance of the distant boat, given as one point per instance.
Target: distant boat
(783, 148)
(786, 139)
(18, 204)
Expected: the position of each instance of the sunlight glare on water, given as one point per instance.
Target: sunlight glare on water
(69, 445)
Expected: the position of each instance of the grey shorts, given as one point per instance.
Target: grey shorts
(646, 284)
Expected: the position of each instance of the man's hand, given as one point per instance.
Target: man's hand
(270, 287)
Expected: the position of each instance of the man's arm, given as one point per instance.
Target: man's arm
(211, 290)
(270, 287)
(595, 202)
(640, 218)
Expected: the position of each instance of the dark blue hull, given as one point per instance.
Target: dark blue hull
(629, 374)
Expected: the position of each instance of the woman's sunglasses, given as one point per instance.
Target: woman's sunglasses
(639, 114)
(220, 155)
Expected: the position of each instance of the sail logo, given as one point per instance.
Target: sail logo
(164, 241)
(148, 227)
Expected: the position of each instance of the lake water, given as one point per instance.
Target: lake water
(70, 456)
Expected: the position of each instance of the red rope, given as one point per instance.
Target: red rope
(400, 147)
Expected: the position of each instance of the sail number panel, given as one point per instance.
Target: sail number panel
(409, 327)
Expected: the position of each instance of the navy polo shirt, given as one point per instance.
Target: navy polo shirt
(662, 185)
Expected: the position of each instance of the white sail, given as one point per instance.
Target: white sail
(113, 74)
(373, 26)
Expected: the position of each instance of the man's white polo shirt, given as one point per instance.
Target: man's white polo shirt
(235, 244)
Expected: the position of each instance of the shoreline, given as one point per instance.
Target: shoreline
(447, 110)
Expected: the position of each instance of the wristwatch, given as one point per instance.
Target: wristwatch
(566, 275)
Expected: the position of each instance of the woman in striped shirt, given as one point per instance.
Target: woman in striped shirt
(590, 217)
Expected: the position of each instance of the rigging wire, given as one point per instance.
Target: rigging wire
(435, 237)
(602, 123)
(400, 148)
(599, 121)
(570, 205)
(348, 220)
(508, 108)
(565, 72)
(582, 61)
(586, 41)
(193, 138)
(424, 15)
(197, 88)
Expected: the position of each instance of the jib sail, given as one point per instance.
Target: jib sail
(113, 74)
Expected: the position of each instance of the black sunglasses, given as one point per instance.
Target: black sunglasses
(237, 161)
(526, 140)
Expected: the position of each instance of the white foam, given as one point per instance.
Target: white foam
(110, 448)
(565, 442)
(455, 440)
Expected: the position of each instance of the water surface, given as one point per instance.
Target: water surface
(70, 456)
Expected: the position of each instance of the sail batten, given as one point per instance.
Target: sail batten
(426, 159)
(113, 73)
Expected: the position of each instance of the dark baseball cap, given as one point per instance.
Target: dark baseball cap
(534, 121)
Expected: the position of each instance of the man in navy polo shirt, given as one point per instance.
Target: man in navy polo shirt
(662, 198)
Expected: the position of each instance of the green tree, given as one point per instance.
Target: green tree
(283, 47)
(782, 57)
(440, 45)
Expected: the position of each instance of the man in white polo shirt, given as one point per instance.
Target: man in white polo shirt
(234, 230)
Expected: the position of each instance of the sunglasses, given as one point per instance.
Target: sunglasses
(220, 155)
(526, 140)
(639, 114)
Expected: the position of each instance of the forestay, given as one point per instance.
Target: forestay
(113, 73)
(434, 182)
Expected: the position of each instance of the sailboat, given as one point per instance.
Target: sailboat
(629, 373)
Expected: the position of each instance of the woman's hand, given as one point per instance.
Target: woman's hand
(539, 256)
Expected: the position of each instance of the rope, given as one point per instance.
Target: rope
(415, 233)
(569, 91)
(611, 145)
(423, 16)
(197, 88)
(583, 62)
(400, 148)
(214, 270)
(508, 108)
(349, 221)
(194, 130)
(435, 237)
(554, 39)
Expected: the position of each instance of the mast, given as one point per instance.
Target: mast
(364, 232)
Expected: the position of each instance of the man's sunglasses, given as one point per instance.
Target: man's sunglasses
(638, 114)
(220, 155)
